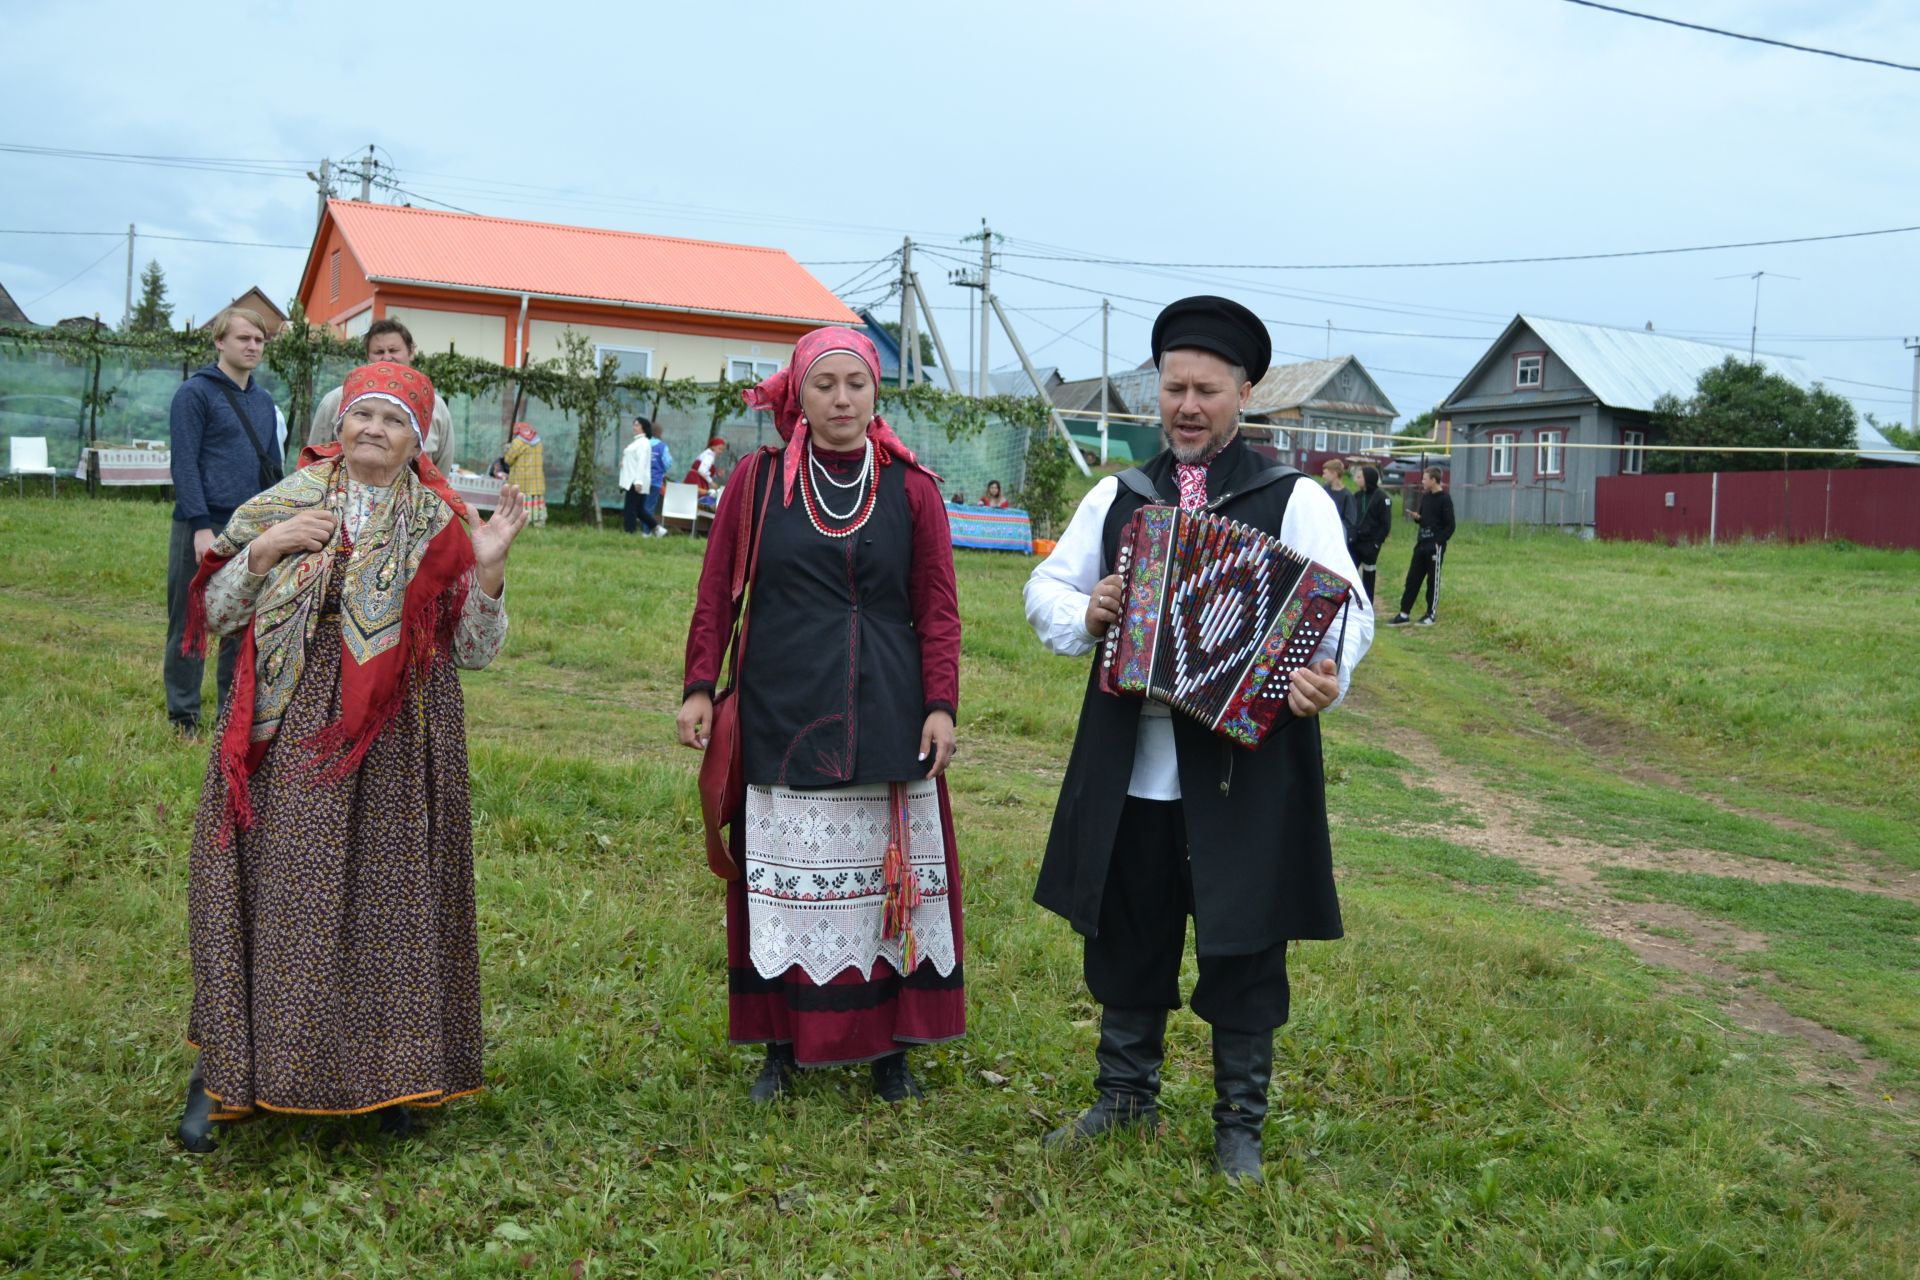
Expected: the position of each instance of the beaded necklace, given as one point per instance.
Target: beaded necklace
(819, 514)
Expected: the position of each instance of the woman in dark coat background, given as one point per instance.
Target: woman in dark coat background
(1371, 528)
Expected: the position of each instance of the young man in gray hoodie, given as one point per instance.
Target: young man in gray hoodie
(228, 443)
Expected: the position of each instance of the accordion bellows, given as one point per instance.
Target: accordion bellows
(1215, 616)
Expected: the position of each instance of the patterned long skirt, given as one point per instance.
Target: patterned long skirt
(800, 849)
(336, 963)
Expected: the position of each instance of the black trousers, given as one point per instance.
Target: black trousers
(1425, 567)
(182, 676)
(1134, 961)
(634, 510)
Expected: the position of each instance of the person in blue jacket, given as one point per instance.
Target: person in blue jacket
(228, 442)
(662, 467)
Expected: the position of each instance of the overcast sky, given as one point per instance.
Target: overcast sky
(1361, 132)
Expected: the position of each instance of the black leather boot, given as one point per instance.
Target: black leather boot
(1242, 1069)
(776, 1073)
(396, 1121)
(1132, 1044)
(196, 1122)
(893, 1081)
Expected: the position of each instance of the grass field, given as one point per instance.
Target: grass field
(1602, 750)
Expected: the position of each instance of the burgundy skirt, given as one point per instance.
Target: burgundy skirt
(849, 1018)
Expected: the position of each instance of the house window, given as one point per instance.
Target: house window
(1320, 439)
(1632, 452)
(747, 369)
(1529, 369)
(1549, 457)
(333, 274)
(1500, 455)
(635, 362)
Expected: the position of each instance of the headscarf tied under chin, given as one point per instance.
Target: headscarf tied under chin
(780, 396)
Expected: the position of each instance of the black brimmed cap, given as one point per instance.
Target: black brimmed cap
(1219, 325)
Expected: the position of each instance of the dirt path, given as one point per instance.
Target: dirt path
(1694, 947)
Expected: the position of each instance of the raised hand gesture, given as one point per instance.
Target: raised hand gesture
(494, 535)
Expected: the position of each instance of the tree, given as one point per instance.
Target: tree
(1898, 436)
(926, 344)
(1736, 404)
(588, 396)
(1044, 495)
(1420, 428)
(153, 313)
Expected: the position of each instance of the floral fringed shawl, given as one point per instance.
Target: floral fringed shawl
(402, 587)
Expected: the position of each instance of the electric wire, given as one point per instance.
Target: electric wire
(1736, 35)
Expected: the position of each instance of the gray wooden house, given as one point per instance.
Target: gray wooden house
(1322, 408)
(1547, 384)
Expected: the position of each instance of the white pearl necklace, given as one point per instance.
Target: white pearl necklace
(864, 495)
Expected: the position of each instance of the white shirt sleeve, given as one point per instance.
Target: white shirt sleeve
(280, 430)
(1061, 586)
(1312, 527)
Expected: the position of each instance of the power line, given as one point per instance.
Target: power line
(1735, 35)
(148, 235)
(75, 276)
(1455, 262)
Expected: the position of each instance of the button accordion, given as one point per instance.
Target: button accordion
(1214, 618)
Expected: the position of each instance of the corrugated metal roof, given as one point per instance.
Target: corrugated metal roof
(1870, 441)
(506, 255)
(1293, 386)
(1632, 368)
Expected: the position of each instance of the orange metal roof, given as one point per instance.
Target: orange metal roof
(506, 255)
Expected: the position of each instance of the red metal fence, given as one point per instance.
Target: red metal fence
(1873, 506)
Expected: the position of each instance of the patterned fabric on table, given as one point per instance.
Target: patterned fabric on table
(815, 879)
(990, 528)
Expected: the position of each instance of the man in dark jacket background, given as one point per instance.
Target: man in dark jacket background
(1370, 524)
(228, 439)
(1435, 517)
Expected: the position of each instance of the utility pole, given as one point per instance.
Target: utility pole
(933, 327)
(909, 344)
(323, 180)
(367, 167)
(1053, 411)
(986, 296)
(128, 315)
(1106, 310)
(1913, 414)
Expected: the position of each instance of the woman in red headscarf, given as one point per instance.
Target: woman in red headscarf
(330, 905)
(705, 470)
(844, 938)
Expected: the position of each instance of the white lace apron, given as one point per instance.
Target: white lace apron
(815, 879)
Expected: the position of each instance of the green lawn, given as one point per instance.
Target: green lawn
(1472, 1085)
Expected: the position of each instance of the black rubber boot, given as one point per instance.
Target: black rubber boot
(893, 1081)
(196, 1122)
(1242, 1069)
(776, 1073)
(1127, 1079)
(396, 1121)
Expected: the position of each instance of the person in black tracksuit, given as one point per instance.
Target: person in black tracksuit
(1370, 519)
(1436, 526)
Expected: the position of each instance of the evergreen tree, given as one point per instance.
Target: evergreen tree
(153, 313)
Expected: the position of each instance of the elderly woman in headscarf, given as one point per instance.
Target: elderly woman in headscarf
(526, 462)
(844, 938)
(330, 903)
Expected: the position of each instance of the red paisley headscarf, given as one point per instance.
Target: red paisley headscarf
(780, 396)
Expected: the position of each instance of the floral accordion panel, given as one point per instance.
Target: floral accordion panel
(1215, 617)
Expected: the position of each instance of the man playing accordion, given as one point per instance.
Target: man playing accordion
(1158, 817)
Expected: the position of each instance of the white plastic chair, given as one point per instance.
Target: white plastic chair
(681, 502)
(27, 456)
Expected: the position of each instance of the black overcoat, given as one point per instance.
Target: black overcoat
(1256, 820)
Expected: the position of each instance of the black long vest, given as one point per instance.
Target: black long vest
(1256, 820)
(830, 687)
